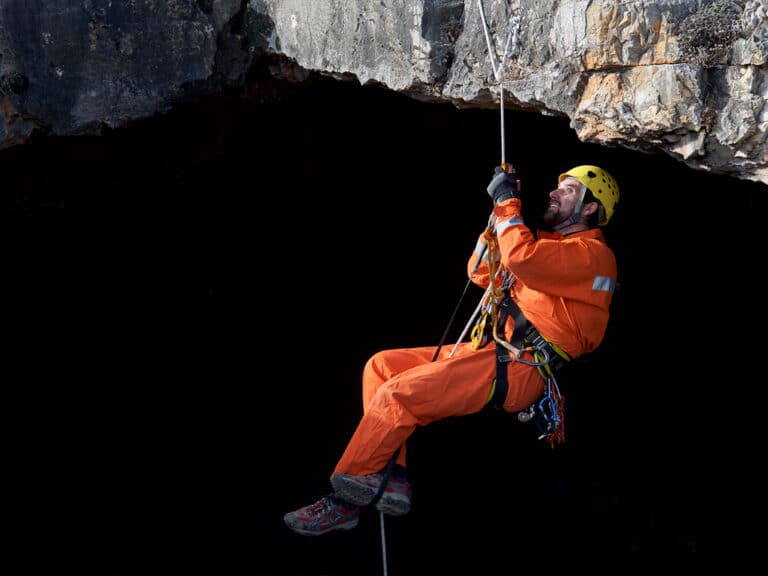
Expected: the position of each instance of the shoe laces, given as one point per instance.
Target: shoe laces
(325, 504)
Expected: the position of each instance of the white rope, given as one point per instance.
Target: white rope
(470, 322)
(511, 37)
(514, 24)
(491, 51)
(501, 129)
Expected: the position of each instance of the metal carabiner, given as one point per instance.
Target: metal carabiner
(534, 352)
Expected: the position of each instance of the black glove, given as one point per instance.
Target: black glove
(503, 186)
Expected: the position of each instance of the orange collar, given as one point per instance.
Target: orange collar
(590, 233)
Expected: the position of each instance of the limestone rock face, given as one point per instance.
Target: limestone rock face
(686, 78)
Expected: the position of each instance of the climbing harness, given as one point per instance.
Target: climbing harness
(549, 412)
(495, 308)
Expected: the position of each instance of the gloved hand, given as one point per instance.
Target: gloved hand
(503, 186)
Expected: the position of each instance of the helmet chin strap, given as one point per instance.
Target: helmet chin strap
(576, 214)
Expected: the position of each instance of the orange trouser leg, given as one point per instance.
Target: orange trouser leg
(403, 389)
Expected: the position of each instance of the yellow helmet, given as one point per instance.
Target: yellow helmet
(602, 185)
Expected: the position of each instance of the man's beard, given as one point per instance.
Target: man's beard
(552, 218)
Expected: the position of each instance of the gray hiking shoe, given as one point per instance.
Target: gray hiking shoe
(328, 513)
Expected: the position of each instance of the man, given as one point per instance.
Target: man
(547, 301)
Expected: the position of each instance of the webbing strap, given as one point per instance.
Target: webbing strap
(508, 307)
(500, 383)
(524, 334)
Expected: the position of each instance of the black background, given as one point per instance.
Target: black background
(188, 304)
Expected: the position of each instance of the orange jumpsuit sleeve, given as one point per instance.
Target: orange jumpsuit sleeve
(477, 267)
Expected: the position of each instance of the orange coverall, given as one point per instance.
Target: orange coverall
(563, 286)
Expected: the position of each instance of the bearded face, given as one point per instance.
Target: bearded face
(563, 201)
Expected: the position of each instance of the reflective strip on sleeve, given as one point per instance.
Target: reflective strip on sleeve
(604, 283)
(501, 226)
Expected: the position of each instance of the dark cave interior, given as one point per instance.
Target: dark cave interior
(189, 301)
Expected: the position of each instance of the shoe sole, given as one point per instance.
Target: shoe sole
(351, 491)
(354, 493)
(393, 506)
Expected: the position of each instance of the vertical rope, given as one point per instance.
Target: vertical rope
(384, 480)
(491, 51)
(383, 542)
(498, 70)
(501, 109)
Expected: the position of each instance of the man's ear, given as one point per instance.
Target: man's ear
(589, 208)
